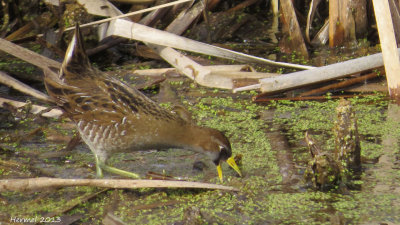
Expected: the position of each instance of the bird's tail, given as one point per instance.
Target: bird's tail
(76, 62)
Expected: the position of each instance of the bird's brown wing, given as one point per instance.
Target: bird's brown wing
(87, 104)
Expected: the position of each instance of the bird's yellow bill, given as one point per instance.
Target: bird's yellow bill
(232, 163)
(220, 172)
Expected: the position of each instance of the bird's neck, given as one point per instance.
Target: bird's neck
(189, 136)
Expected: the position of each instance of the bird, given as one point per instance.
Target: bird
(112, 116)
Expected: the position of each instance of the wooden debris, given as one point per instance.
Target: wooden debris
(152, 17)
(395, 11)
(231, 68)
(185, 18)
(43, 21)
(291, 28)
(347, 19)
(53, 113)
(359, 12)
(388, 45)
(120, 16)
(275, 7)
(247, 88)
(30, 184)
(156, 40)
(262, 98)
(341, 23)
(190, 68)
(310, 17)
(95, 7)
(342, 84)
(146, 52)
(157, 176)
(182, 63)
(18, 85)
(347, 143)
(242, 75)
(322, 37)
(231, 71)
(27, 55)
(146, 34)
(214, 69)
(322, 170)
(327, 171)
(325, 73)
(185, 65)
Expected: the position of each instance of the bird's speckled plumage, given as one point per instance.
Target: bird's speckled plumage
(113, 117)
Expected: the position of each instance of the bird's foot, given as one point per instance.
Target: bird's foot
(120, 172)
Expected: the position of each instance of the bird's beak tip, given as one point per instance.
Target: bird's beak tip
(232, 163)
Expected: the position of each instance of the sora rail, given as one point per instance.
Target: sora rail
(112, 116)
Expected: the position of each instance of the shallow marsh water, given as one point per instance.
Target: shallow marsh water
(274, 156)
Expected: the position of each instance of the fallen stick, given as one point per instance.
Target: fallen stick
(325, 73)
(189, 67)
(135, 31)
(154, 72)
(54, 113)
(247, 88)
(231, 71)
(261, 98)
(239, 74)
(18, 85)
(30, 184)
(341, 84)
(27, 55)
(213, 69)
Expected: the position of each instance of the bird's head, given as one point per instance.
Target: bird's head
(218, 148)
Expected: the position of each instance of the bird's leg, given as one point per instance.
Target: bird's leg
(99, 172)
(100, 164)
(120, 172)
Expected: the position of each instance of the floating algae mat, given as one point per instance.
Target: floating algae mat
(265, 196)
